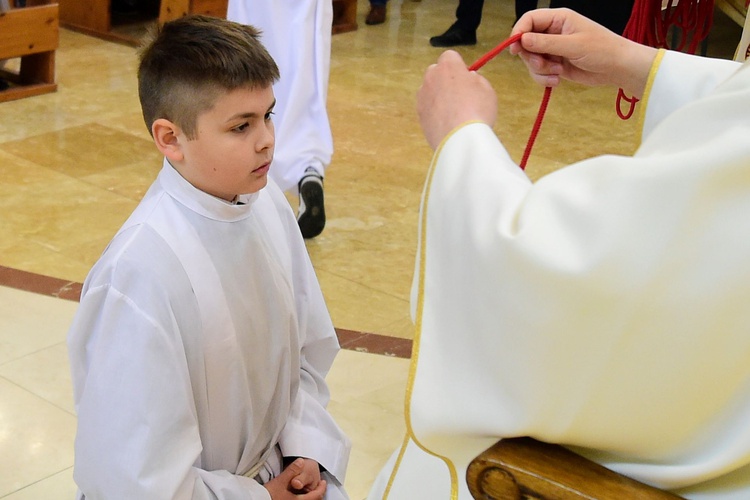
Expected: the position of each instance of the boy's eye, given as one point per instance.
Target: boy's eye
(242, 127)
(268, 115)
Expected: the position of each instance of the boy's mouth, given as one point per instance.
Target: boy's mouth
(263, 169)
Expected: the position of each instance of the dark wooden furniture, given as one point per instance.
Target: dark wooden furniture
(523, 468)
(344, 16)
(95, 17)
(31, 33)
(92, 17)
(174, 9)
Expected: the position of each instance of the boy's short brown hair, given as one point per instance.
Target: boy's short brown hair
(188, 62)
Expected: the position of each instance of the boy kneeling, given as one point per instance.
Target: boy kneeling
(202, 340)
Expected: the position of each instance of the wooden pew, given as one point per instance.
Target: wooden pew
(344, 16)
(32, 34)
(94, 17)
(174, 9)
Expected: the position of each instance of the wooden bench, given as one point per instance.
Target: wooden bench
(523, 468)
(344, 11)
(344, 16)
(32, 34)
(174, 9)
(94, 17)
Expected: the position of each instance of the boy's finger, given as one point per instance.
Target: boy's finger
(297, 483)
(316, 494)
(294, 469)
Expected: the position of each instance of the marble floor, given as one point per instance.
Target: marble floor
(74, 163)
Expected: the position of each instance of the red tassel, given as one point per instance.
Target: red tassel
(689, 20)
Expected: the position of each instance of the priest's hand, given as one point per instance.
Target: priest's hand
(450, 96)
(300, 480)
(560, 43)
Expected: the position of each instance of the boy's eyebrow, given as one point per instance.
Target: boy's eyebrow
(251, 115)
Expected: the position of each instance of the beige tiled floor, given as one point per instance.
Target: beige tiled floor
(37, 421)
(37, 418)
(74, 163)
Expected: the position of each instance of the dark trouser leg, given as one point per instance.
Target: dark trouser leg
(613, 14)
(523, 6)
(469, 15)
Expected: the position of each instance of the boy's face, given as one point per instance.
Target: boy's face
(233, 146)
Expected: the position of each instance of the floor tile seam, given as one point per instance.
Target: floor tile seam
(38, 396)
(371, 343)
(82, 179)
(359, 283)
(19, 490)
(3, 364)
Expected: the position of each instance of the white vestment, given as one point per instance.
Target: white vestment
(200, 349)
(605, 307)
(297, 34)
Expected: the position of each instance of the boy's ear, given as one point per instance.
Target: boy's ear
(167, 137)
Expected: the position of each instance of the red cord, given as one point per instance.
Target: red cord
(542, 107)
(622, 97)
(537, 126)
(492, 53)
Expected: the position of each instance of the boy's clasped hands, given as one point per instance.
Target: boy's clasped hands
(299, 480)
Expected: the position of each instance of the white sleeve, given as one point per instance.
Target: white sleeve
(310, 430)
(137, 425)
(678, 79)
(605, 306)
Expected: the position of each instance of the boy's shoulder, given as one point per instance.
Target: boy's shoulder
(138, 252)
(136, 255)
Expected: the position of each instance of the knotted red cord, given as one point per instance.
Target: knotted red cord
(542, 107)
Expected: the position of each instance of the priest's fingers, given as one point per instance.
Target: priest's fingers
(587, 52)
(545, 71)
(551, 21)
(450, 96)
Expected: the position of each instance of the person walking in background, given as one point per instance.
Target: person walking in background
(613, 14)
(464, 30)
(297, 34)
(377, 12)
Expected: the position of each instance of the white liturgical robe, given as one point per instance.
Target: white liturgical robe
(605, 307)
(199, 351)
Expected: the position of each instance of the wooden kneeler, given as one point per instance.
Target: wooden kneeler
(523, 468)
(32, 34)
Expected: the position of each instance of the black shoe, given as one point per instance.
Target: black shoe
(311, 215)
(376, 15)
(454, 36)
